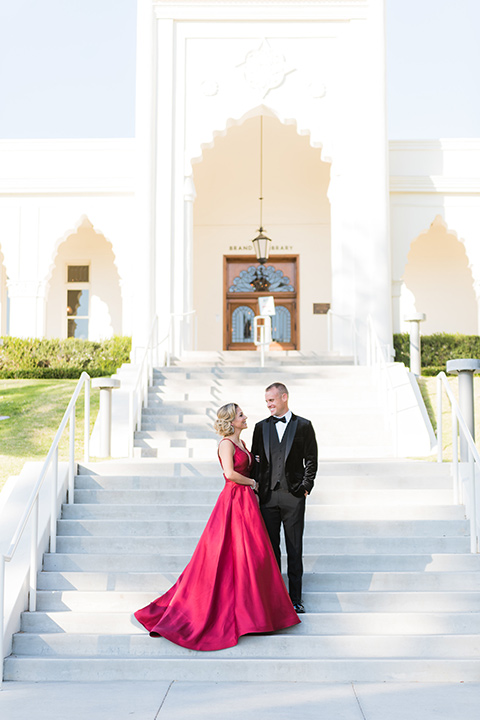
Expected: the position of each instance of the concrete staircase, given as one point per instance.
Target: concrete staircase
(391, 590)
(343, 403)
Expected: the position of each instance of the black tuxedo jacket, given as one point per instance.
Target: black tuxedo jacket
(301, 456)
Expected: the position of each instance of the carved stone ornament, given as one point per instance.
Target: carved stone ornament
(317, 89)
(264, 69)
(209, 88)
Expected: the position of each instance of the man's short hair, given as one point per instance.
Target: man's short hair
(282, 389)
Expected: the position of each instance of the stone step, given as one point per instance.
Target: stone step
(285, 645)
(356, 529)
(333, 623)
(352, 601)
(329, 545)
(365, 468)
(318, 497)
(200, 668)
(216, 483)
(157, 583)
(372, 562)
(313, 512)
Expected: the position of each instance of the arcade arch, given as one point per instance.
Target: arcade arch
(83, 296)
(440, 283)
(296, 216)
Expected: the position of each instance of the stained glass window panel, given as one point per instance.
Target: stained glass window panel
(242, 324)
(282, 325)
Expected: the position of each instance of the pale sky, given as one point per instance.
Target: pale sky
(67, 68)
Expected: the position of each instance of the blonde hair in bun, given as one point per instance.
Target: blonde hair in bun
(225, 415)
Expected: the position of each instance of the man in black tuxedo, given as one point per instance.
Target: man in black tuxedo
(285, 451)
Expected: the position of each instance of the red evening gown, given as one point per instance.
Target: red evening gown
(232, 585)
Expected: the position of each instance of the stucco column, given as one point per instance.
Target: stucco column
(342, 263)
(465, 370)
(105, 385)
(397, 286)
(143, 249)
(189, 325)
(27, 300)
(415, 347)
(377, 185)
(164, 178)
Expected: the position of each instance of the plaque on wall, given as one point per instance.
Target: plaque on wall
(321, 308)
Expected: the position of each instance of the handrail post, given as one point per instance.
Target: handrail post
(456, 493)
(71, 458)
(86, 443)
(32, 598)
(473, 500)
(2, 614)
(395, 421)
(439, 420)
(130, 424)
(53, 503)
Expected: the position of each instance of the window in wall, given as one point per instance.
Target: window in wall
(78, 296)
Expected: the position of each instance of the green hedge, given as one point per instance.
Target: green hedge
(38, 358)
(437, 349)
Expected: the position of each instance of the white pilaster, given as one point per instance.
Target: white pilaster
(142, 246)
(164, 129)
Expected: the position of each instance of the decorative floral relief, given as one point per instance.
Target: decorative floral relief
(264, 69)
(209, 88)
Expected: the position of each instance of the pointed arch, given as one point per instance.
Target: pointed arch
(85, 223)
(226, 214)
(196, 155)
(88, 304)
(439, 276)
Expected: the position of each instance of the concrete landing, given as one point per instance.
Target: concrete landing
(239, 701)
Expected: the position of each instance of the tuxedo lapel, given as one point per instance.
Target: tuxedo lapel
(266, 437)
(290, 434)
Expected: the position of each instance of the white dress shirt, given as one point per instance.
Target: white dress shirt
(281, 427)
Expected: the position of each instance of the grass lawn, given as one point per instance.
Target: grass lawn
(428, 388)
(35, 409)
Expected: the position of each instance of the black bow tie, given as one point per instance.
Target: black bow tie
(282, 419)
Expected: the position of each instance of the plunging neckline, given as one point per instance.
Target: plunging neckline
(244, 449)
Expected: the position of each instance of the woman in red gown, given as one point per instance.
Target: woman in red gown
(232, 585)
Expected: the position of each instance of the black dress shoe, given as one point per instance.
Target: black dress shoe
(298, 607)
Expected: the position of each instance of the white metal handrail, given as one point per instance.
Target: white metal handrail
(378, 357)
(459, 426)
(171, 331)
(31, 508)
(353, 327)
(138, 396)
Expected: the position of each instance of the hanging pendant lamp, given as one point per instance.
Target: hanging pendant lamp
(261, 242)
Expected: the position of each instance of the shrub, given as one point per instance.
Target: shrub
(437, 349)
(40, 358)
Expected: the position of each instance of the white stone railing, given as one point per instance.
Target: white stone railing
(175, 340)
(464, 489)
(352, 329)
(31, 510)
(138, 395)
(378, 357)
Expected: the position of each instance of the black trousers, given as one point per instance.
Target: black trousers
(284, 508)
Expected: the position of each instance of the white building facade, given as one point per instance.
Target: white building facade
(235, 100)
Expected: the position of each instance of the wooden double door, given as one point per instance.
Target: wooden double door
(245, 281)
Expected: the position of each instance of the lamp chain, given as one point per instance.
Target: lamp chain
(261, 173)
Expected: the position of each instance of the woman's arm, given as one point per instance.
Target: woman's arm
(226, 450)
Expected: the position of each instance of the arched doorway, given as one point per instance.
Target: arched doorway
(296, 215)
(438, 276)
(83, 296)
